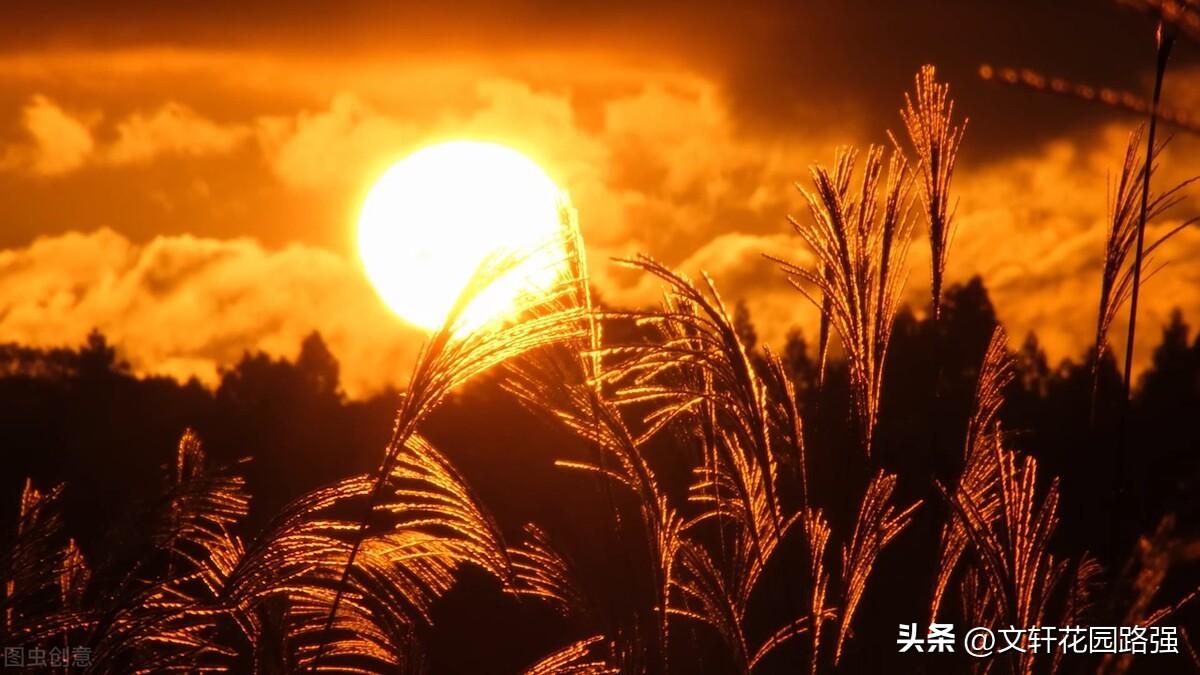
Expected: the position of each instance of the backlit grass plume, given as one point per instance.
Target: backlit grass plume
(542, 572)
(452, 357)
(695, 375)
(1124, 216)
(1010, 545)
(935, 136)
(879, 521)
(567, 383)
(569, 392)
(42, 575)
(585, 657)
(698, 371)
(860, 240)
(980, 471)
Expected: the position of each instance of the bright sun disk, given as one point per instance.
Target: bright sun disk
(433, 217)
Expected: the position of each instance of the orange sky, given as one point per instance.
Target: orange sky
(186, 178)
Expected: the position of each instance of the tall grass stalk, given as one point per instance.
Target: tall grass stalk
(1165, 38)
(1124, 217)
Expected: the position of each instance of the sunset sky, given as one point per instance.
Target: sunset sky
(186, 176)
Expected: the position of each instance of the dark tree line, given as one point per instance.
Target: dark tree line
(80, 417)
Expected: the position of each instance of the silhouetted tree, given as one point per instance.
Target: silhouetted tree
(743, 325)
(98, 359)
(1032, 368)
(318, 367)
(1167, 440)
(800, 365)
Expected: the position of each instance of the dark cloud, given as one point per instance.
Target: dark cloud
(784, 65)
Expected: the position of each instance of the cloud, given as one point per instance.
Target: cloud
(654, 166)
(185, 306)
(329, 147)
(171, 129)
(737, 264)
(61, 142)
(1034, 227)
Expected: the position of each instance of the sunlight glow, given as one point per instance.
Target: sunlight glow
(434, 216)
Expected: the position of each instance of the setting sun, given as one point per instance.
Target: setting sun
(433, 217)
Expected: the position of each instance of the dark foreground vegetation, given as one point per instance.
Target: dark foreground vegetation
(79, 418)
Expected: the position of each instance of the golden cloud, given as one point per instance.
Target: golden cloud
(61, 142)
(185, 306)
(172, 129)
(1034, 228)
